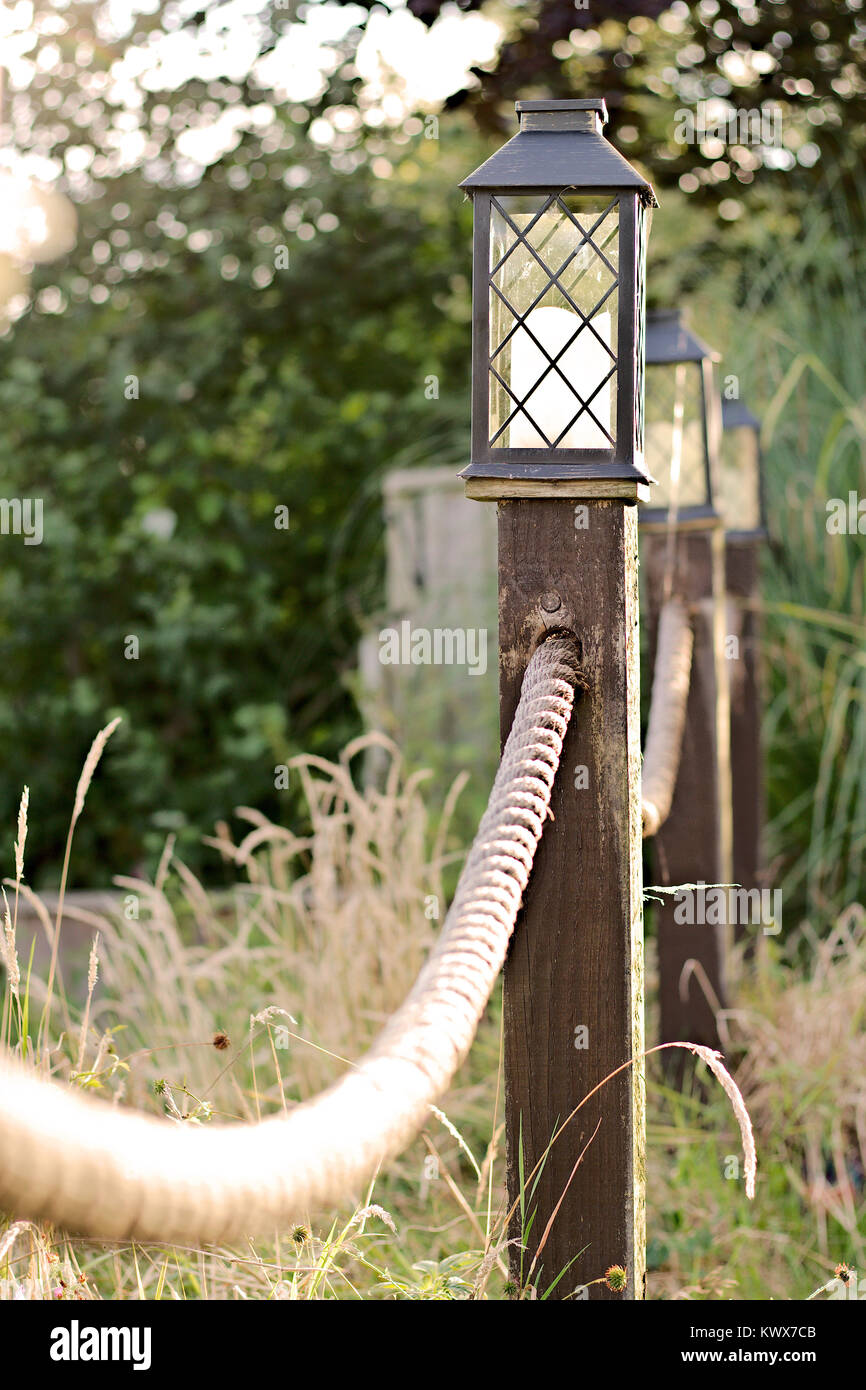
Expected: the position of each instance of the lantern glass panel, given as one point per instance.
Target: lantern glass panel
(675, 445)
(740, 488)
(644, 218)
(553, 305)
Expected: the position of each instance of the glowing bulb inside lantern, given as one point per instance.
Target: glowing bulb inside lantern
(552, 404)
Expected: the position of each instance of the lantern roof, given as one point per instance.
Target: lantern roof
(669, 340)
(737, 415)
(560, 145)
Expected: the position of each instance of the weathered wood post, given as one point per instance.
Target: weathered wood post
(683, 555)
(694, 844)
(743, 507)
(557, 441)
(747, 780)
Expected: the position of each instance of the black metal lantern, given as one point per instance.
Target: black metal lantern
(682, 422)
(561, 222)
(741, 480)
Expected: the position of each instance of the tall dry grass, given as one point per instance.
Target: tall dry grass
(299, 964)
(235, 1003)
(803, 1034)
(798, 1035)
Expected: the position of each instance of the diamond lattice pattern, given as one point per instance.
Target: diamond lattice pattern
(554, 283)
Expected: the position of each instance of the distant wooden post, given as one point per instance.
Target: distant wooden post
(741, 567)
(695, 843)
(574, 975)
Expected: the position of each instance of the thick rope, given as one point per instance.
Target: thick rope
(667, 717)
(121, 1175)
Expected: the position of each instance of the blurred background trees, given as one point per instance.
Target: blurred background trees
(272, 260)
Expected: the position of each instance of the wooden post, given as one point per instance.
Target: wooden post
(574, 975)
(559, 445)
(741, 567)
(694, 844)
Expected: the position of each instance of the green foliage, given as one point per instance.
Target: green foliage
(652, 58)
(257, 388)
(260, 387)
(792, 336)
